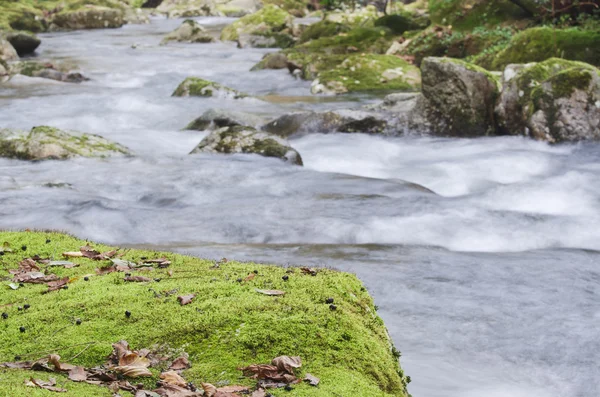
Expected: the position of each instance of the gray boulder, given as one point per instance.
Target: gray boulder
(554, 100)
(24, 43)
(243, 139)
(195, 86)
(458, 98)
(190, 31)
(88, 17)
(219, 118)
(47, 71)
(7, 51)
(45, 143)
(275, 60)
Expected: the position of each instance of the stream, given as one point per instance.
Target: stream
(483, 255)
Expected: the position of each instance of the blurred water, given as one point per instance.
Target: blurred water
(481, 254)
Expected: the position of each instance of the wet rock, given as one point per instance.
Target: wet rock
(44, 143)
(267, 40)
(88, 17)
(243, 139)
(276, 60)
(219, 118)
(194, 86)
(270, 22)
(187, 8)
(7, 51)
(554, 100)
(458, 98)
(4, 71)
(348, 121)
(136, 16)
(191, 32)
(239, 8)
(48, 71)
(23, 42)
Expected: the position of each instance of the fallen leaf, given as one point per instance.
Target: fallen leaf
(170, 273)
(185, 299)
(173, 378)
(28, 265)
(312, 380)
(58, 284)
(13, 286)
(34, 277)
(54, 359)
(209, 390)
(78, 374)
(18, 365)
(180, 363)
(120, 263)
(250, 277)
(271, 292)
(259, 393)
(137, 279)
(167, 390)
(72, 254)
(146, 393)
(6, 247)
(89, 252)
(233, 389)
(120, 349)
(65, 264)
(133, 365)
(263, 371)
(105, 270)
(49, 385)
(287, 363)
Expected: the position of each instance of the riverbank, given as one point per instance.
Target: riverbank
(228, 325)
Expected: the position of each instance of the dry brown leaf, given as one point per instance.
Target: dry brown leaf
(173, 378)
(137, 279)
(259, 393)
(18, 365)
(120, 349)
(250, 277)
(72, 254)
(28, 265)
(49, 385)
(58, 284)
(133, 365)
(54, 359)
(170, 273)
(233, 389)
(65, 264)
(263, 371)
(106, 269)
(209, 390)
(287, 363)
(185, 299)
(312, 380)
(271, 292)
(167, 390)
(78, 374)
(133, 371)
(180, 363)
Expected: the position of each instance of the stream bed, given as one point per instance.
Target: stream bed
(483, 255)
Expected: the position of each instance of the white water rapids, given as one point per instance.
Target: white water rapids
(489, 283)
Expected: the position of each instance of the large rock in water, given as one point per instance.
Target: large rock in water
(47, 71)
(242, 139)
(189, 31)
(23, 42)
(88, 17)
(7, 51)
(187, 8)
(219, 118)
(271, 23)
(458, 98)
(44, 143)
(554, 100)
(194, 86)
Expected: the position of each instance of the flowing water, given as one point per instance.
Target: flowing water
(482, 254)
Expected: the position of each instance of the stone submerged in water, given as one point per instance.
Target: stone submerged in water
(219, 118)
(195, 86)
(243, 139)
(554, 100)
(47, 71)
(49, 143)
(189, 31)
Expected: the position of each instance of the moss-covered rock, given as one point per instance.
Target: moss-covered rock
(271, 19)
(195, 86)
(458, 97)
(46, 70)
(219, 118)
(403, 21)
(322, 29)
(466, 15)
(274, 60)
(372, 40)
(44, 143)
(239, 8)
(228, 325)
(88, 17)
(367, 73)
(265, 40)
(189, 31)
(348, 121)
(296, 8)
(555, 100)
(539, 44)
(188, 8)
(244, 139)
(360, 17)
(23, 42)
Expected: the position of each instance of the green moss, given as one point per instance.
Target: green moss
(366, 73)
(269, 148)
(271, 17)
(195, 86)
(402, 22)
(496, 78)
(295, 7)
(374, 40)
(539, 44)
(466, 15)
(322, 29)
(228, 325)
(564, 83)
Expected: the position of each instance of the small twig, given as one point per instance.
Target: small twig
(84, 349)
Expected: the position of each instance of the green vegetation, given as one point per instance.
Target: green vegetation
(322, 29)
(466, 15)
(268, 19)
(195, 86)
(227, 325)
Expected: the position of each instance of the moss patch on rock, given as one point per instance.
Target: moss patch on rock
(322, 29)
(269, 19)
(539, 44)
(466, 15)
(195, 86)
(228, 325)
(403, 21)
(372, 40)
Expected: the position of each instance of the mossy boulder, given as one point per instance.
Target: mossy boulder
(88, 17)
(227, 326)
(360, 17)
(219, 118)
(189, 31)
(466, 15)
(44, 143)
(265, 40)
(361, 39)
(274, 60)
(296, 8)
(322, 29)
(239, 8)
(48, 71)
(195, 86)
(23, 42)
(269, 20)
(539, 44)
(348, 121)
(244, 139)
(403, 21)
(4, 70)
(188, 8)
(555, 100)
(366, 73)
(7, 51)
(458, 98)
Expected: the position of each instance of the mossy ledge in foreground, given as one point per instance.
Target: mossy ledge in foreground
(227, 326)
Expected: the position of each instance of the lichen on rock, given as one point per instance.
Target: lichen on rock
(195, 86)
(189, 31)
(244, 139)
(267, 22)
(45, 143)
